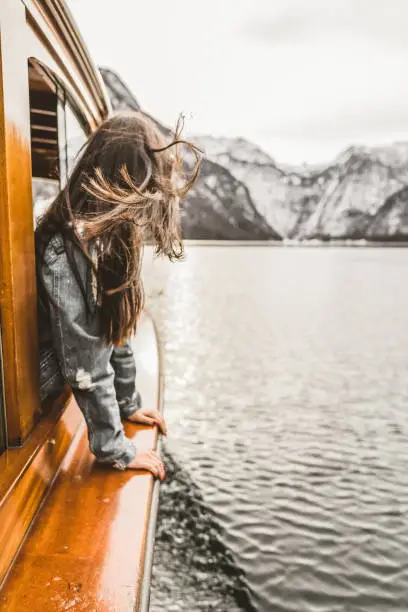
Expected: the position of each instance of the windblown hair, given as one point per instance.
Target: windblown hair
(123, 192)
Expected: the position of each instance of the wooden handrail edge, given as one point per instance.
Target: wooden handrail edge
(145, 587)
(144, 600)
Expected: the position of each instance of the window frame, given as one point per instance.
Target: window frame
(64, 103)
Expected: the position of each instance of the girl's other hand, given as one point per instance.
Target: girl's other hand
(148, 460)
(146, 416)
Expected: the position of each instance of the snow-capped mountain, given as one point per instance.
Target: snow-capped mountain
(284, 197)
(244, 193)
(341, 200)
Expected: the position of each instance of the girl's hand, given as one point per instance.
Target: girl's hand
(148, 460)
(146, 416)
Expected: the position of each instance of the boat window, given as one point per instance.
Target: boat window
(57, 136)
(45, 117)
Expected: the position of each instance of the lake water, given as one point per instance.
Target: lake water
(287, 406)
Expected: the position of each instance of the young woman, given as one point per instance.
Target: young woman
(123, 192)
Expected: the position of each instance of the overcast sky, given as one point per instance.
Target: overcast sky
(302, 78)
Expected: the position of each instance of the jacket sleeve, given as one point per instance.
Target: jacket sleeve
(123, 363)
(84, 357)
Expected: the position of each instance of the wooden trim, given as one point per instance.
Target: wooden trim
(27, 474)
(58, 30)
(144, 590)
(15, 461)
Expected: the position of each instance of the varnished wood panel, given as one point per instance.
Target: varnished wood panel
(17, 262)
(86, 549)
(20, 505)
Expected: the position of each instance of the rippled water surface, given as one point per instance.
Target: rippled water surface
(286, 400)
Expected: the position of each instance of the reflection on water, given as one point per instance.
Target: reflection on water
(286, 399)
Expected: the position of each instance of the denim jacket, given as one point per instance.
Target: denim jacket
(101, 377)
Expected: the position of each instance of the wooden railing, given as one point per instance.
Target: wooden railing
(91, 543)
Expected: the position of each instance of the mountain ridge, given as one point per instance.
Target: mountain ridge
(338, 201)
(244, 193)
